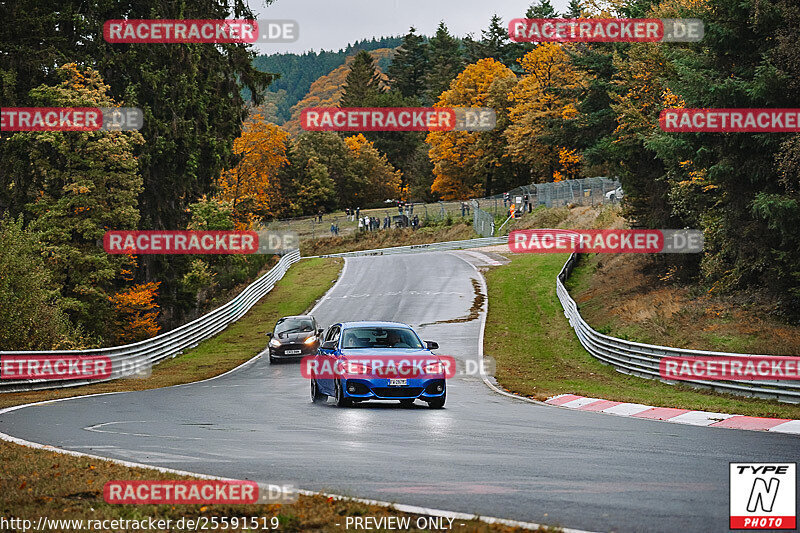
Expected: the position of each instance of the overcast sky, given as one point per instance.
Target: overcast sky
(332, 24)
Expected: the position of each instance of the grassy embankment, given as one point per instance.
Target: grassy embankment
(538, 354)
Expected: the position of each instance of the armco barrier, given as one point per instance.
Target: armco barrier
(130, 357)
(433, 247)
(643, 359)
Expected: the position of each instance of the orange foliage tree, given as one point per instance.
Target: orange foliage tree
(251, 186)
(462, 159)
(381, 180)
(135, 311)
(537, 99)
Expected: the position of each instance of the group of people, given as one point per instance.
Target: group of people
(334, 229)
(370, 223)
(408, 206)
(352, 214)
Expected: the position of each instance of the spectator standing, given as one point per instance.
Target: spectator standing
(410, 208)
(463, 209)
(360, 225)
(416, 221)
(333, 229)
(358, 212)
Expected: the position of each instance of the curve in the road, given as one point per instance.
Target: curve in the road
(485, 453)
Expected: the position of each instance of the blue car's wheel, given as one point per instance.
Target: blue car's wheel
(341, 401)
(316, 395)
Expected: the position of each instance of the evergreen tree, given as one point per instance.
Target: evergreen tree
(543, 10)
(409, 66)
(445, 63)
(574, 9)
(363, 83)
(495, 43)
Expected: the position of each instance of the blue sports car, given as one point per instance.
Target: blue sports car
(378, 361)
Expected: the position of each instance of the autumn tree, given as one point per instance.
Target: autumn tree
(135, 313)
(465, 163)
(538, 100)
(381, 180)
(251, 186)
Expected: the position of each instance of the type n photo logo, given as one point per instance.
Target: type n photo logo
(763, 495)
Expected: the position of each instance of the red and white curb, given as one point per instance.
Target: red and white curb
(679, 416)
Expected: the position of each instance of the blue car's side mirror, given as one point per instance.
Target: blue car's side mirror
(432, 345)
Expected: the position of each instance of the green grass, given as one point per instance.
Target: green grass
(302, 285)
(538, 354)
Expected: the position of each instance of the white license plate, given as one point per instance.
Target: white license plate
(293, 352)
(398, 382)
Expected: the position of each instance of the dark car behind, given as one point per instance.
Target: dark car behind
(294, 337)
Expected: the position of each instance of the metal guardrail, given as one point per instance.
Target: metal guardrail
(432, 247)
(643, 359)
(128, 359)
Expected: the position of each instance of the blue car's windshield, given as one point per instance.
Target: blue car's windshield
(380, 338)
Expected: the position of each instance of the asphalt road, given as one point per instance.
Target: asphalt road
(484, 453)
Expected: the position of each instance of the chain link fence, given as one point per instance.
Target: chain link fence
(481, 211)
(482, 221)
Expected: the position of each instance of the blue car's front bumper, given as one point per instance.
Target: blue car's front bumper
(379, 389)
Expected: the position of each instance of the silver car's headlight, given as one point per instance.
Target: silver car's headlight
(311, 340)
(274, 342)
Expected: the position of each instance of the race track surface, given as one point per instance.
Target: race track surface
(484, 453)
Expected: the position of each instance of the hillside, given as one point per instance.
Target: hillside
(299, 71)
(327, 90)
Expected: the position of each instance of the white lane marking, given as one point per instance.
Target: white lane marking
(627, 409)
(398, 293)
(699, 418)
(482, 257)
(399, 506)
(95, 428)
(579, 402)
(792, 426)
